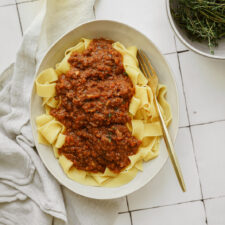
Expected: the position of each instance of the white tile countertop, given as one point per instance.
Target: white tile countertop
(200, 144)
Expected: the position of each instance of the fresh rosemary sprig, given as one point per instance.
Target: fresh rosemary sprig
(203, 20)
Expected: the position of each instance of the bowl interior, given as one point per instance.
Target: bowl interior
(128, 36)
(199, 47)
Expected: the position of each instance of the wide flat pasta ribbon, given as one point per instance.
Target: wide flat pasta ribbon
(51, 102)
(164, 104)
(130, 63)
(45, 85)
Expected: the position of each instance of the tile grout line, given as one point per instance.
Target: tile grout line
(183, 51)
(124, 212)
(94, 11)
(206, 219)
(128, 207)
(26, 1)
(217, 197)
(169, 53)
(192, 140)
(173, 204)
(193, 146)
(184, 93)
(18, 13)
(201, 124)
(10, 4)
(205, 123)
(131, 219)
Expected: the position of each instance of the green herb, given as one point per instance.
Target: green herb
(203, 20)
(125, 73)
(109, 136)
(109, 115)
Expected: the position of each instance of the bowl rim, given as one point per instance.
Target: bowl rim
(190, 47)
(118, 195)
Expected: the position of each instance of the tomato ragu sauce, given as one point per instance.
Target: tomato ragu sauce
(95, 95)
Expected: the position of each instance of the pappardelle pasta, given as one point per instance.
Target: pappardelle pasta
(100, 117)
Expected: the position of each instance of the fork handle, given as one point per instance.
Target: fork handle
(170, 149)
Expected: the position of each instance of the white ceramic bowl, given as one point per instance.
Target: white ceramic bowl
(128, 36)
(201, 48)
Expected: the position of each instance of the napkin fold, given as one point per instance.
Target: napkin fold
(28, 193)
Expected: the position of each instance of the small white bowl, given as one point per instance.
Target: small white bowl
(128, 36)
(201, 48)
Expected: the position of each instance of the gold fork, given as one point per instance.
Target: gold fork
(150, 74)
